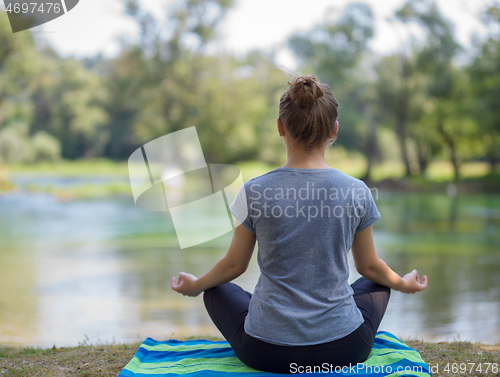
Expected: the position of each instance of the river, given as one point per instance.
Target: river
(98, 270)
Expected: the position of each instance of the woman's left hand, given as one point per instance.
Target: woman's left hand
(186, 285)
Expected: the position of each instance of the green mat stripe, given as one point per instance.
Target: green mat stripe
(224, 364)
(378, 357)
(390, 339)
(403, 373)
(184, 347)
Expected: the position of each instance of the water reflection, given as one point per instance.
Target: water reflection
(455, 242)
(100, 269)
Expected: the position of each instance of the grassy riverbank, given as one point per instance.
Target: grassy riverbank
(114, 177)
(108, 360)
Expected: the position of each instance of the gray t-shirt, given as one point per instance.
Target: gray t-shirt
(304, 221)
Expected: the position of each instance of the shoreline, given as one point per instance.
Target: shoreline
(118, 184)
(480, 185)
(109, 360)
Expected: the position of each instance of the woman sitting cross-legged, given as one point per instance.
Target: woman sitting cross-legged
(305, 217)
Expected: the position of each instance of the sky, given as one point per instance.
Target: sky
(95, 26)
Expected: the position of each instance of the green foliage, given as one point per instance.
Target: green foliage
(432, 102)
(15, 144)
(228, 100)
(45, 147)
(232, 105)
(334, 48)
(69, 103)
(17, 74)
(439, 46)
(413, 107)
(484, 71)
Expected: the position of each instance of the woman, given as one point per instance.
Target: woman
(305, 216)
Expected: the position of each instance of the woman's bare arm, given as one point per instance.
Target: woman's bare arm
(232, 265)
(369, 265)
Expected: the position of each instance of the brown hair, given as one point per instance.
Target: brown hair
(308, 110)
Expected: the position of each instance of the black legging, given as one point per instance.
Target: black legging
(227, 305)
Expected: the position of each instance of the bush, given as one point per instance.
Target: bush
(15, 144)
(17, 147)
(45, 147)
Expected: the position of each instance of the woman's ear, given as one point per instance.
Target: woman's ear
(280, 127)
(335, 130)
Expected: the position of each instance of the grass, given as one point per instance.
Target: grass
(84, 191)
(84, 360)
(73, 168)
(109, 360)
(444, 357)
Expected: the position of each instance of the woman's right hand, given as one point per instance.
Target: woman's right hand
(412, 284)
(369, 265)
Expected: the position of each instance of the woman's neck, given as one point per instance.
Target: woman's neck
(300, 159)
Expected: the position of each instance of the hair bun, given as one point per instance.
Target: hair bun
(305, 90)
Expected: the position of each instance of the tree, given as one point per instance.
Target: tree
(125, 78)
(455, 124)
(69, 104)
(394, 88)
(18, 68)
(238, 102)
(171, 70)
(484, 71)
(434, 58)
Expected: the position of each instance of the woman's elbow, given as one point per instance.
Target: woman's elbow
(369, 270)
(240, 270)
(363, 271)
(361, 266)
(236, 269)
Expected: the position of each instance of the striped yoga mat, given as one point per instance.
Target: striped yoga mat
(205, 358)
